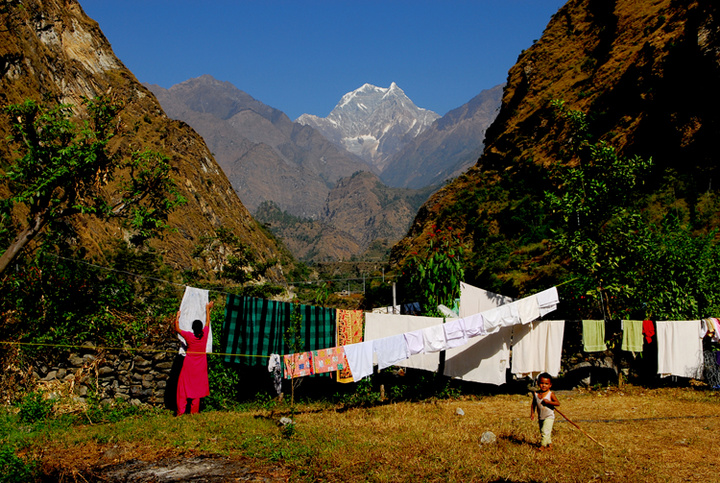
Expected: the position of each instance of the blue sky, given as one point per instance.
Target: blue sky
(301, 56)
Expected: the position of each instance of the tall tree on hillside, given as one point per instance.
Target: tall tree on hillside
(64, 169)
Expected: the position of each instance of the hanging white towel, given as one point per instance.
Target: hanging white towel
(434, 338)
(537, 347)
(483, 359)
(360, 359)
(474, 325)
(378, 326)
(680, 350)
(474, 300)
(548, 300)
(528, 309)
(194, 307)
(390, 350)
(415, 342)
(455, 333)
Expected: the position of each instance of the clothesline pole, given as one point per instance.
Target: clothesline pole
(394, 298)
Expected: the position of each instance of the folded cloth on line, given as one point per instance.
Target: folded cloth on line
(648, 330)
(328, 360)
(504, 316)
(434, 338)
(390, 350)
(632, 335)
(474, 325)
(528, 309)
(548, 300)
(594, 335)
(298, 365)
(455, 333)
(360, 359)
(415, 342)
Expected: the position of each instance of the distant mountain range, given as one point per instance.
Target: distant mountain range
(315, 182)
(372, 122)
(265, 155)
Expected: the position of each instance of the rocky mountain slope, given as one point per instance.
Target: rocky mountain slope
(646, 72)
(50, 50)
(372, 122)
(264, 154)
(449, 146)
(360, 213)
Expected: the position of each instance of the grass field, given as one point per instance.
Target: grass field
(648, 435)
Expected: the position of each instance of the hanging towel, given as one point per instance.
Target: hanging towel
(455, 333)
(594, 335)
(483, 359)
(275, 369)
(298, 365)
(548, 300)
(378, 326)
(648, 330)
(528, 309)
(328, 360)
(390, 350)
(474, 300)
(360, 359)
(537, 348)
(632, 335)
(680, 350)
(349, 331)
(716, 322)
(434, 338)
(194, 307)
(414, 341)
(474, 325)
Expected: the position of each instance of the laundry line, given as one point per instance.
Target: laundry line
(129, 349)
(181, 285)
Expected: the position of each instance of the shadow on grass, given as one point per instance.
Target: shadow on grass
(514, 439)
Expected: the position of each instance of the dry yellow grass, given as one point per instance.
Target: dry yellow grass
(649, 435)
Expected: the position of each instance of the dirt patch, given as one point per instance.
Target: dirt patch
(120, 464)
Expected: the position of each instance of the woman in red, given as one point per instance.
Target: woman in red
(193, 383)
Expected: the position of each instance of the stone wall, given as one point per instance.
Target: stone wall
(136, 376)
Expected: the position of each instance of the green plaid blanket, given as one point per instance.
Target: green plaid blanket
(255, 327)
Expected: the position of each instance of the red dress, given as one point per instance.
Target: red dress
(193, 382)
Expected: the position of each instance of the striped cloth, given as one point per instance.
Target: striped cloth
(256, 327)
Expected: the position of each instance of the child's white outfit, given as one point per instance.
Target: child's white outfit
(546, 418)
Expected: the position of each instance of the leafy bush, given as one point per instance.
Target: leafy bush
(14, 469)
(34, 408)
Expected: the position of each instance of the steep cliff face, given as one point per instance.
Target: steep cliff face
(645, 71)
(50, 50)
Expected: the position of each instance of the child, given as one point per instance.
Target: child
(545, 402)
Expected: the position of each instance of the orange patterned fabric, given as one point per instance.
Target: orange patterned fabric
(349, 331)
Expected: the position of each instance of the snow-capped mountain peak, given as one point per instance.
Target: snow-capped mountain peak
(373, 122)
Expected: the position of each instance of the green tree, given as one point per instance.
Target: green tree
(602, 225)
(435, 275)
(64, 169)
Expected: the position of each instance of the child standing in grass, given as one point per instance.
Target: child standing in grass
(544, 402)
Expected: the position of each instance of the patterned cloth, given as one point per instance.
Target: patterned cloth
(349, 331)
(256, 327)
(298, 365)
(328, 360)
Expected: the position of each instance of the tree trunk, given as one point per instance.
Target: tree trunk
(22, 239)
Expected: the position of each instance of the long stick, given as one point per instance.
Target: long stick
(581, 429)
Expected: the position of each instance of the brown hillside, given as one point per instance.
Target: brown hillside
(50, 50)
(645, 71)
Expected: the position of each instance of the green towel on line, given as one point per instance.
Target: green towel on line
(632, 336)
(594, 335)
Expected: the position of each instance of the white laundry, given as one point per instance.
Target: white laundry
(194, 307)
